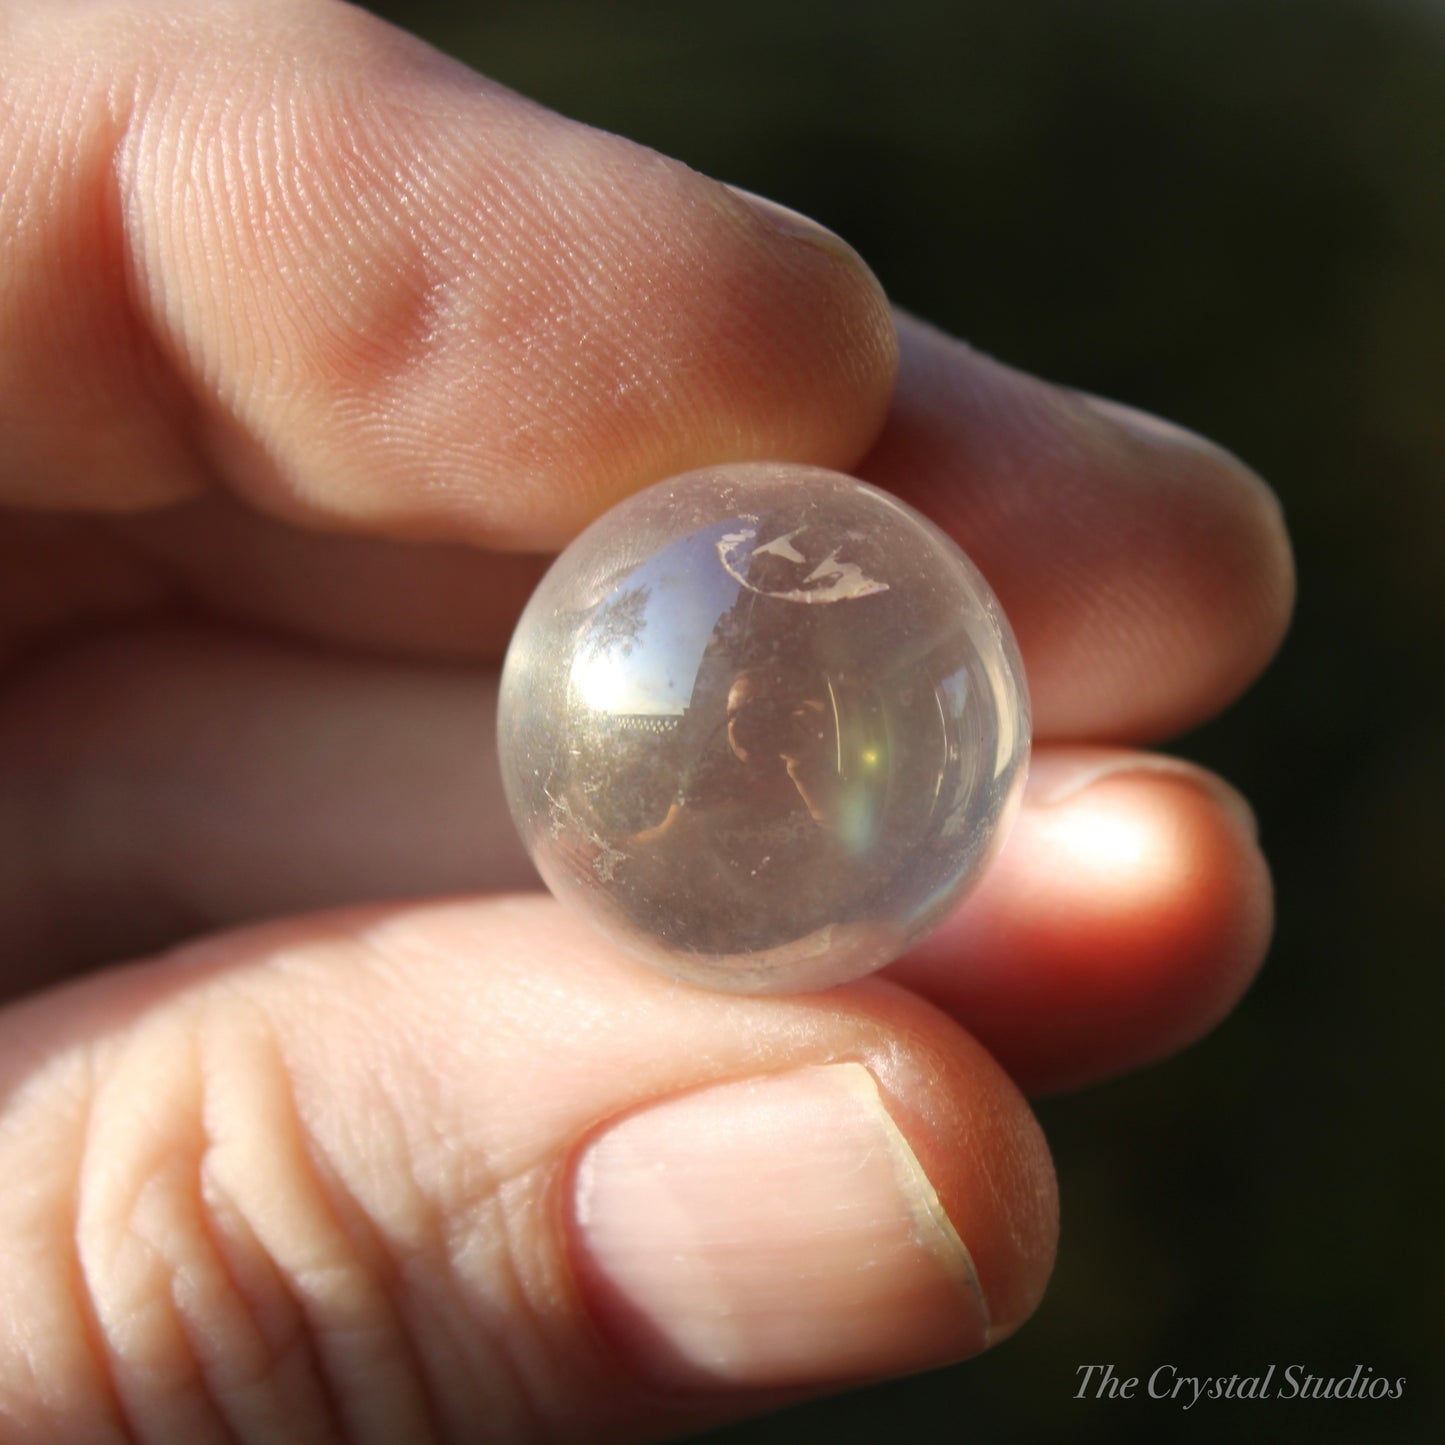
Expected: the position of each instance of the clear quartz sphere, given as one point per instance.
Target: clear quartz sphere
(763, 725)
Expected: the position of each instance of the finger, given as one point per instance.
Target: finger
(167, 782)
(185, 781)
(454, 1172)
(62, 576)
(1146, 573)
(284, 248)
(1128, 912)
(1152, 579)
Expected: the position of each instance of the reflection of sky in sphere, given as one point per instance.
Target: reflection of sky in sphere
(652, 670)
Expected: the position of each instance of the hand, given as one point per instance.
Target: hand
(296, 320)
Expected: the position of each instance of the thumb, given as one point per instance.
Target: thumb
(280, 247)
(451, 1173)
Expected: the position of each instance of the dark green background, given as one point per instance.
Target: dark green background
(1231, 212)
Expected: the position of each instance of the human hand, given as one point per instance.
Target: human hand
(296, 319)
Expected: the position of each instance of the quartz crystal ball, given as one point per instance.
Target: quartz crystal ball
(763, 725)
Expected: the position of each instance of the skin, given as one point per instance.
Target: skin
(311, 344)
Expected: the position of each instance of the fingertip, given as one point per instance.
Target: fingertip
(773, 1232)
(783, 1231)
(1246, 594)
(1124, 920)
(1146, 572)
(785, 1192)
(371, 291)
(534, 318)
(985, 1153)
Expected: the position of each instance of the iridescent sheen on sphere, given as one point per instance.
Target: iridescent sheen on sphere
(763, 725)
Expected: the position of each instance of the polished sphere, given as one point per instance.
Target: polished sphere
(763, 725)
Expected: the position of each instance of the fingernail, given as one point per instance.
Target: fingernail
(800, 227)
(773, 1232)
(1056, 780)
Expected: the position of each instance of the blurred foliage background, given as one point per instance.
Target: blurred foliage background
(1231, 212)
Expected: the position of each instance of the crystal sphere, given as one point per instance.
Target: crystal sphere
(763, 725)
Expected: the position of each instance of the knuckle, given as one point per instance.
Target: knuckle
(224, 1291)
(197, 1331)
(237, 1227)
